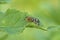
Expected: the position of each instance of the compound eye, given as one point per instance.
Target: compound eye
(29, 19)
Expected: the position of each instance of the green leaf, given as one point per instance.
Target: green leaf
(13, 21)
(13, 18)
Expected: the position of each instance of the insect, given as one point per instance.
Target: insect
(32, 19)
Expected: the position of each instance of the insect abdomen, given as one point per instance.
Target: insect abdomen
(36, 21)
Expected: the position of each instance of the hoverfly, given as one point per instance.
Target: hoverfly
(32, 19)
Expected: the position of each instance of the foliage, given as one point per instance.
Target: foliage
(14, 27)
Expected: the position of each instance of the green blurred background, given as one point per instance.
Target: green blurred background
(12, 23)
